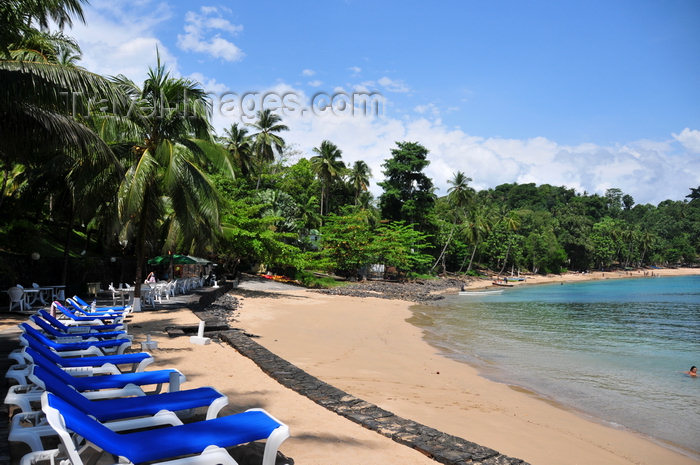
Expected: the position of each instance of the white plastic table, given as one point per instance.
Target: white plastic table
(30, 296)
(58, 291)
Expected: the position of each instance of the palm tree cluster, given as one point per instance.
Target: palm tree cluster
(148, 176)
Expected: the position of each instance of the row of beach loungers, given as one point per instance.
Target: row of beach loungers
(75, 380)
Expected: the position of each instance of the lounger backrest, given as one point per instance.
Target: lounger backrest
(49, 366)
(44, 325)
(53, 320)
(61, 416)
(87, 310)
(37, 335)
(75, 317)
(75, 305)
(44, 351)
(80, 301)
(65, 311)
(59, 388)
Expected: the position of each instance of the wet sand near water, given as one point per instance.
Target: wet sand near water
(365, 347)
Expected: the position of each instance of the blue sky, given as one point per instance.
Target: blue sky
(590, 95)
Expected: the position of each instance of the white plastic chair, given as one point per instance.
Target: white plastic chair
(17, 297)
(147, 295)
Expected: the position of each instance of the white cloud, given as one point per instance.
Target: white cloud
(118, 38)
(393, 85)
(650, 171)
(690, 139)
(429, 108)
(315, 83)
(209, 84)
(355, 70)
(308, 72)
(203, 34)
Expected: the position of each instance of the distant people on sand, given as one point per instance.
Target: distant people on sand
(692, 372)
(151, 278)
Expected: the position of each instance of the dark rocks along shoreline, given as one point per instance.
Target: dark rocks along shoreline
(413, 291)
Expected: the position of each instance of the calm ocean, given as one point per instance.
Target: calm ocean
(615, 349)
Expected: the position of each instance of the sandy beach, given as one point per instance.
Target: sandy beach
(365, 347)
(590, 276)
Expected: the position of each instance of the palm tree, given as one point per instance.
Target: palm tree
(240, 146)
(36, 120)
(20, 18)
(359, 176)
(512, 223)
(267, 142)
(647, 239)
(39, 131)
(458, 196)
(477, 227)
(327, 165)
(165, 151)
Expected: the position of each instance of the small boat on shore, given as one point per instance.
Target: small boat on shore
(502, 284)
(477, 293)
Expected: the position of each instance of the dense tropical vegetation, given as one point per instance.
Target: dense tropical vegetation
(81, 185)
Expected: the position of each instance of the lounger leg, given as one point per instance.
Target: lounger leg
(273, 443)
(30, 435)
(40, 456)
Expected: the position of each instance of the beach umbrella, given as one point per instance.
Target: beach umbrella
(177, 259)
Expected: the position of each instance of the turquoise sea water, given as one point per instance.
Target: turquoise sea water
(614, 349)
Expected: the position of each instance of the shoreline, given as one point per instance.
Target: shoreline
(572, 277)
(425, 291)
(338, 338)
(483, 372)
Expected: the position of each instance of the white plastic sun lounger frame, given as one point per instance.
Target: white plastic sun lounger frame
(210, 455)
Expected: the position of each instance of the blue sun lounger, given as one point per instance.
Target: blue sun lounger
(94, 387)
(52, 331)
(87, 306)
(158, 409)
(94, 383)
(88, 311)
(203, 442)
(79, 329)
(90, 365)
(112, 345)
(133, 358)
(115, 319)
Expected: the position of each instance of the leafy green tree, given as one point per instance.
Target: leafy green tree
(250, 237)
(543, 251)
(501, 245)
(346, 243)
(408, 193)
(613, 201)
(628, 202)
(328, 166)
(400, 245)
(605, 242)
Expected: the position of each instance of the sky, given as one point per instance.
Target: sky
(584, 94)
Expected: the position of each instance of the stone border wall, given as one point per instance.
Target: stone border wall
(435, 444)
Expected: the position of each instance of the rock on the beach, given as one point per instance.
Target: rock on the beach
(414, 291)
